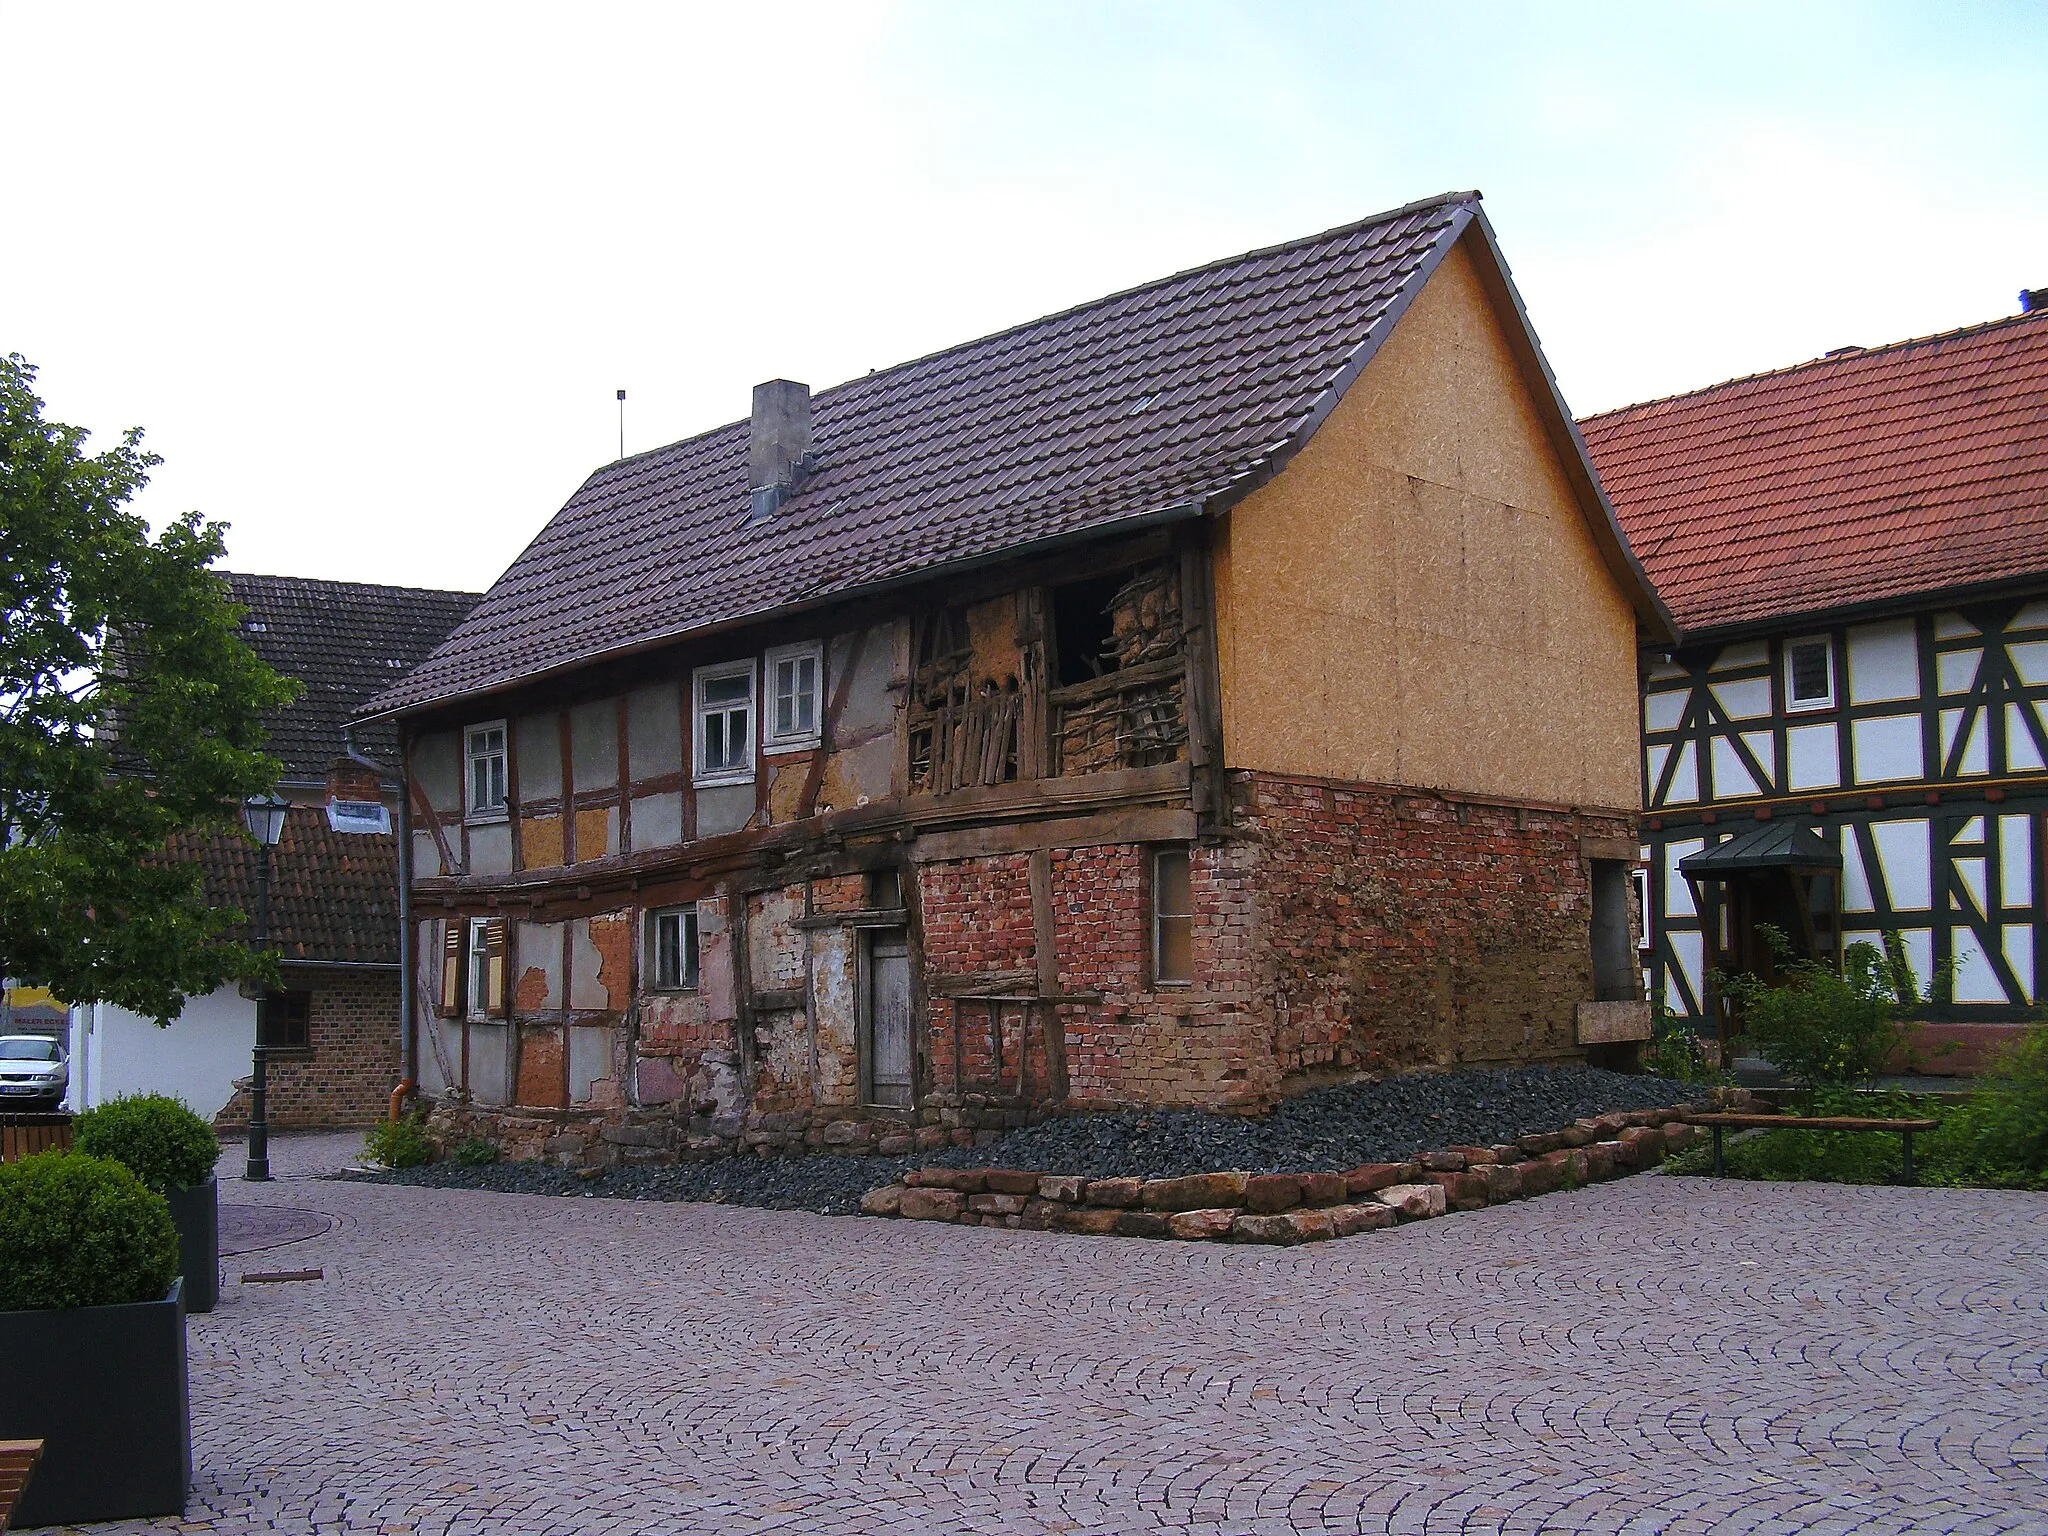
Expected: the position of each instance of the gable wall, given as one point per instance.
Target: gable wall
(1417, 599)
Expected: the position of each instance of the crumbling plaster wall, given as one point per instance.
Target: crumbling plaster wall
(1417, 598)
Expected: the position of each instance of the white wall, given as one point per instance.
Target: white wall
(196, 1058)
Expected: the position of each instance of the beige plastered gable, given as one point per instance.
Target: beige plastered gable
(1426, 595)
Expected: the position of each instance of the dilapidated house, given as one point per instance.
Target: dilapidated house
(1853, 740)
(1186, 698)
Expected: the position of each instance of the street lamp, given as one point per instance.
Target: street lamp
(264, 815)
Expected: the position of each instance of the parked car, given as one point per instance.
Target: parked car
(33, 1072)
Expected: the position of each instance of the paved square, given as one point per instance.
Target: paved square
(1651, 1355)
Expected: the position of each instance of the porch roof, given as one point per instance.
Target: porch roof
(1767, 845)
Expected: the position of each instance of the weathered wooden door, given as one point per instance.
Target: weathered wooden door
(889, 1051)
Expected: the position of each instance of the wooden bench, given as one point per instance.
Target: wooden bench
(18, 1459)
(25, 1133)
(1720, 1123)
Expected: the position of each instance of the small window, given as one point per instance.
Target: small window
(284, 1020)
(1173, 919)
(725, 724)
(479, 993)
(794, 676)
(672, 949)
(484, 747)
(1809, 674)
(885, 890)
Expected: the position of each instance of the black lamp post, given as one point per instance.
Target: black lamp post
(265, 817)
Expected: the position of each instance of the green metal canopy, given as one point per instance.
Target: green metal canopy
(1767, 845)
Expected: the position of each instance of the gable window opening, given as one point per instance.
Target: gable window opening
(1809, 674)
(672, 937)
(484, 749)
(284, 1020)
(1173, 919)
(794, 675)
(725, 723)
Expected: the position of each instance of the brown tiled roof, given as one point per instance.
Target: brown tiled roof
(333, 895)
(1185, 391)
(346, 641)
(1863, 477)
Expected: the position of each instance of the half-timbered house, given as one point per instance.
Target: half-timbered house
(1853, 739)
(1176, 700)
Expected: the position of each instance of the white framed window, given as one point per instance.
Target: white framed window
(796, 679)
(483, 749)
(478, 994)
(725, 723)
(672, 949)
(1173, 919)
(1810, 673)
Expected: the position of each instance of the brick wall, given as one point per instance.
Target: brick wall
(1347, 929)
(346, 1075)
(1405, 930)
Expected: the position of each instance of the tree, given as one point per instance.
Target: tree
(130, 709)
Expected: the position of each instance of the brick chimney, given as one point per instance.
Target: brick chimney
(348, 779)
(778, 445)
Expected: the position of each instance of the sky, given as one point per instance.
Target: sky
(369, 277)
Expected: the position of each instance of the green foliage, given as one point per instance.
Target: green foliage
(81, 1231)
(155, 1136)
(1982, 1141)
(400, 1143)
(1827, 1032)
(117, 652)
(2008, 1115)
(1677, 1051)
(475, 1152)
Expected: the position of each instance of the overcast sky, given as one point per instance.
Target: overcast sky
(369, 276)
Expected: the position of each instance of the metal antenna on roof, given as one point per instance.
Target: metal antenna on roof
(622, 423)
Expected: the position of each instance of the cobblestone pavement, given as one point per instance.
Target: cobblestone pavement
(1653, 1355)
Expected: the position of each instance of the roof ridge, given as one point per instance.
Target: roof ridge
(364, 586)
(1826, 360)
(1442, 199)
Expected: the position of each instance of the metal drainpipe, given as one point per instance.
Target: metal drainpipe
(408, 1048)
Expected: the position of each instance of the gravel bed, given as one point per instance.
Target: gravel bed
(1330, 1128)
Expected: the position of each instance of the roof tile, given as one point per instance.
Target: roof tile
(1869, 476)
(1047, 430)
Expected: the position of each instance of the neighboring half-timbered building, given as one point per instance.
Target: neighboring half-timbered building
(1853, 739)
(1178, 700)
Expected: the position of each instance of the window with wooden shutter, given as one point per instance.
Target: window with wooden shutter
(494, 967)
(486, 990)
(451, 968)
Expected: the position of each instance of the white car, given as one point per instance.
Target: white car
(33, 1072)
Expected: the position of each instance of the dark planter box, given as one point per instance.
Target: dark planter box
(197, 1213)
(104, 1389)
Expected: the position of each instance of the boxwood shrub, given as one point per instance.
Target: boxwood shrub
(81, 1231)
(165, 1144)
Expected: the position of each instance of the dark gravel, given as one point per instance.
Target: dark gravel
(1331, 1128)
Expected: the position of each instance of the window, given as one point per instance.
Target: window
(885, 890)
(1173, 919)
(794, 676)
(284, 1020)
(473, 969)
(484, 748)
(672, 949)
(479, 989)
(1810, 674)
(725, 723)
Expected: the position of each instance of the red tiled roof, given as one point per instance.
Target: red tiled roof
(333, 895)
(1874, 475)
(1154, 399)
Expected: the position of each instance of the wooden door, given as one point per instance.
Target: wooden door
(888, 1048)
